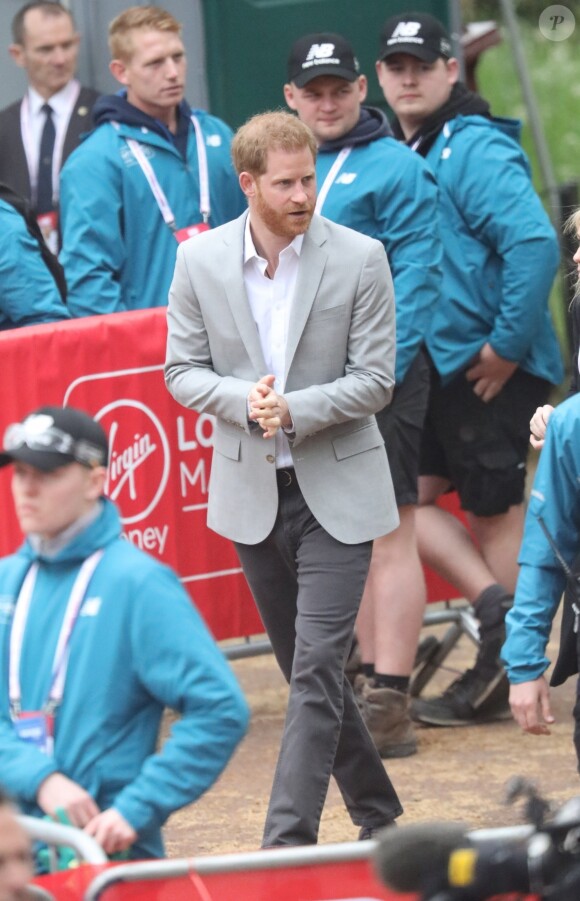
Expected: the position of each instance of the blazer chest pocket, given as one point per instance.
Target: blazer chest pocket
(227, 445)
(338, 310)
(357, 442)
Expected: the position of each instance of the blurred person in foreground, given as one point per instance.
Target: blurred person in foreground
(97, 638)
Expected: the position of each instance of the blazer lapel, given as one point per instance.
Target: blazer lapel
(233, 282)
(313, 259)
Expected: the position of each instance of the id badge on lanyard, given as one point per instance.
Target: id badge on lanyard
(37, 728)
(190, 231)
(48, 224)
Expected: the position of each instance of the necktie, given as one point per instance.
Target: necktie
(44, 201)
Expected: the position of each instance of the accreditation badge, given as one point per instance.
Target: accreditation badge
(48, 224)
(190, 231)
(36, 728)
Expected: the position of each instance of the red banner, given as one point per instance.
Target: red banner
(160, 453)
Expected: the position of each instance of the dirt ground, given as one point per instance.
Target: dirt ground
(457, 774)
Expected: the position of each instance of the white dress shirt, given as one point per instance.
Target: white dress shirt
(271, 303)
(32, 119)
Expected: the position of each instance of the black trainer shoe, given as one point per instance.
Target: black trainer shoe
(370, 832)
(470, 699)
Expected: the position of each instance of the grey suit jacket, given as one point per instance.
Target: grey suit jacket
(340, 365)
(13, 164)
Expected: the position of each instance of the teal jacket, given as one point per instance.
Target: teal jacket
(500, 252)
(386, 191)
(118, 253)
(138, 646)
(28, 292)
(555, 498)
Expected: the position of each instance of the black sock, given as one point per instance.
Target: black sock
(368, 670)
(395, 683)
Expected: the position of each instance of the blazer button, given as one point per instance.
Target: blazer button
(271, 458)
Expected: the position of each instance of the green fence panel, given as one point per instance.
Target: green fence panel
(247, 44)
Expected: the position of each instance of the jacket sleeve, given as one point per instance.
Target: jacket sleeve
(23, 766)
(93, 248)
(406, 215)
(181, 666)
(28, 292)
(189, 368)
(494, 192)
(555, 499)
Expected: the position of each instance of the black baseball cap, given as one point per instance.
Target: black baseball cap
(55, 436)
(321, 53)
(418, 34)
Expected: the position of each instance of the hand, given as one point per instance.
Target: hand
(538, 424)
(530, 704)
(268, 408)
(111, 831)
(58, 791)
(490, 373)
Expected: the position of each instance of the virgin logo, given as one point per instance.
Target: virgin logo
(139, 458)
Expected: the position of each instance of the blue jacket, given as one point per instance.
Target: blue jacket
(138, 646)
(118, 253)
(556, 499)
(28, 291)
(386, 191)
(500, 252)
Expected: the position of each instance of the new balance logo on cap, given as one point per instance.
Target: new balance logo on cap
(406, 29)
(320, 51)
(417, 34)
(319, 54)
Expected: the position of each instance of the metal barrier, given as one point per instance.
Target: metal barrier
(271, 860)
(55, 834)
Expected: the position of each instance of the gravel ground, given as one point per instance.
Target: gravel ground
(458, 774)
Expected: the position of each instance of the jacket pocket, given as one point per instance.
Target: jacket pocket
(227, 445)
(357, 442)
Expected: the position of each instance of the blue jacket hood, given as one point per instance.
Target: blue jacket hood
(105, 529)
(372, 124)
(116, 108)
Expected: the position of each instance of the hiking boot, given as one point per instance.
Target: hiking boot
(386, 716)
(469, 700)
(480, 695)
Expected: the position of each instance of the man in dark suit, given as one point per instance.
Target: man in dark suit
(39, 132)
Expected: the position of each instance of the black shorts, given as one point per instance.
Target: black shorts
(481, 447)
(401, 424)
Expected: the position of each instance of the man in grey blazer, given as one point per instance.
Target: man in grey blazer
(281, 325)
(45, 44)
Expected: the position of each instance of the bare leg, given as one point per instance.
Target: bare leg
(499, 538)
(445, 544)
(394, 600)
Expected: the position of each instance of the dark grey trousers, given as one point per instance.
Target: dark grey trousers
(308, 586)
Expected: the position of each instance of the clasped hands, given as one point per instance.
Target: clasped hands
(268, 408)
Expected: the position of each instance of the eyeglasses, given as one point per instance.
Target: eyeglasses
(39, 433)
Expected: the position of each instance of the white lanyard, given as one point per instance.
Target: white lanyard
(157, 190)
(329, 180)
(60, 663)
(32, 153)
